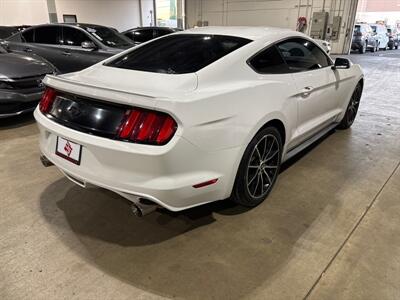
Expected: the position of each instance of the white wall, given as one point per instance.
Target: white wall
(17, 12)
(278, 13)
(120, 14)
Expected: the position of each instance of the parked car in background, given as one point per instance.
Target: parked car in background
(324, 45)
(197, 116)
(7, 31)
(364, 38)
(143, 34)
(21, 82)
(381, 35)
(70, 47)
(394, 36)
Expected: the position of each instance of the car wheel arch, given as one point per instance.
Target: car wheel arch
(273, 121)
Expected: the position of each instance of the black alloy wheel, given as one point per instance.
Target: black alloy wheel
(352, 108)
(259, 168)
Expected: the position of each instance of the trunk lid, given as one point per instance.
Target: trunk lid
(147, 84)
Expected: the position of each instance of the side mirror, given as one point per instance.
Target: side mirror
(341, 63)
(88, 45)
(5, 45)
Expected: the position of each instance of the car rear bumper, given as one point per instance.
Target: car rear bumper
(14, 103)
(162, 174)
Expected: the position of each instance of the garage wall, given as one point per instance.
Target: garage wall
(278, 13)
(120, 14)
(17, 12)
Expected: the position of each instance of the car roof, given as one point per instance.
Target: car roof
(152, 27)
(81, 25)
(249, 32)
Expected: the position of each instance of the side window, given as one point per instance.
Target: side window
(303, 55)
(48, 35)
(269, 61)
(27, 35)
(143, 35)
(73, 37)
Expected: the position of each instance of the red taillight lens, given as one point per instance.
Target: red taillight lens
(47, 100)
(147, 127)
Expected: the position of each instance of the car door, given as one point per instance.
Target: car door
(77, 56)
(316, 83)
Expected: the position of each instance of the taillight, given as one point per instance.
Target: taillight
(47, 100)
(147, 127)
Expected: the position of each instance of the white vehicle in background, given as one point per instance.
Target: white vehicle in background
(381, 35)
(196, 116)
(324, 45)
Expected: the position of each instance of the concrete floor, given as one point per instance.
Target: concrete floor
(330, 229)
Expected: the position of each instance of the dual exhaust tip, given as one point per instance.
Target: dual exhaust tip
(140, 206)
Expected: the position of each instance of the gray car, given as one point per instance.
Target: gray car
(21, 82)
(70, 47)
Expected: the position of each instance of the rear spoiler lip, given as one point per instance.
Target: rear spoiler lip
(49, 78)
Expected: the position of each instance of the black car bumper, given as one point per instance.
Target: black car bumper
(13, 103)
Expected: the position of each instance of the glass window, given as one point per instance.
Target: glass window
(109, 37)
(303, 55)
(162, 31)
(142, 35)
(74, 37)
(48, 35)
(27, 35)
(179, 54)
(269, 61)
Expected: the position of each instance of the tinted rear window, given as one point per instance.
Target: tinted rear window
(179, 54)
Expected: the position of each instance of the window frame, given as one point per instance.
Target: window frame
(275, 44)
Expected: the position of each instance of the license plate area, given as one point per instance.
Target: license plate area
(69, 150)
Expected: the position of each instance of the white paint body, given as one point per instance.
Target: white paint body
(219, 109)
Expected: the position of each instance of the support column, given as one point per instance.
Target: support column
(51, 8)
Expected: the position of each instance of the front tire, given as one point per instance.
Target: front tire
(352, 108)
(259, 168)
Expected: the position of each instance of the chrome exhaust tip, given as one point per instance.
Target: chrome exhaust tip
(45, 162)
(143, 207)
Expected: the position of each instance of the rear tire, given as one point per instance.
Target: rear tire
(259, 168)
(352, 108)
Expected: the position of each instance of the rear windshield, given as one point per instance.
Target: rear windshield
(179, 54)
(109, 37)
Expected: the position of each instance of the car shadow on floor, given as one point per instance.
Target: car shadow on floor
(17, 121)
(212, 251)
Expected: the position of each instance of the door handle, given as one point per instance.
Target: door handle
(66, 53)
(306, 92)
(28, 49)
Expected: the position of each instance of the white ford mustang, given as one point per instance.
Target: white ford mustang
(196, 116)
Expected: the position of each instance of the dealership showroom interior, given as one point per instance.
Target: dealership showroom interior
(199, 149)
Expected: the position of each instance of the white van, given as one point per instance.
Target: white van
(381, 35)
